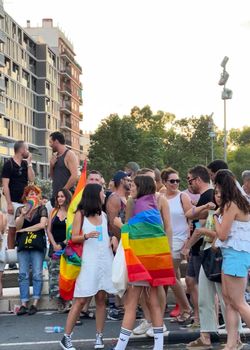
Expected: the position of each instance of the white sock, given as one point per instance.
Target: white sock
(123, 339)
(158, 338)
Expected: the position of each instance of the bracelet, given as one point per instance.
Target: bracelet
(216, 215)
(85, 237)
(29, 165)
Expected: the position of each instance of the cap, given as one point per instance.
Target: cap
(119, 176)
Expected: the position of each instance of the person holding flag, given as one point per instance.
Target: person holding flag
(90, 230)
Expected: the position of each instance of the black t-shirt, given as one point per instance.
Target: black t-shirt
(18, 176)
(205, 198)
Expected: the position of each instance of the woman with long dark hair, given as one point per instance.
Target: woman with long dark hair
(95, 277)
(233, 232)
(148, 259)
(56, 232)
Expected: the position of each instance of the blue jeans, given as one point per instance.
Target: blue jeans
(33, 259)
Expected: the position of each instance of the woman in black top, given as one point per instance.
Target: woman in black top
(57, 237)
(31, 221)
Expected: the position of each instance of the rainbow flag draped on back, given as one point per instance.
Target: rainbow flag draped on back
(71, 260)
(146, 246)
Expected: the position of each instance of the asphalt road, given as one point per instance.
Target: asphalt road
(27, 333)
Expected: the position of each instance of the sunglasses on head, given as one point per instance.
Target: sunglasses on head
(173, 181)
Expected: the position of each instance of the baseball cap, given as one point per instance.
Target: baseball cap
(119, 176)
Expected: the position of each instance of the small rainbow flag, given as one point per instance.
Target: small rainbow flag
(71, 260)
(147, 250)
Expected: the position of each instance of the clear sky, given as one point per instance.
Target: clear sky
(164, 53)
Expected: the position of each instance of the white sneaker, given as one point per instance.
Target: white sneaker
(150, 332)
(143, 327)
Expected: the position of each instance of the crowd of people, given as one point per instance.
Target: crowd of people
(157, 225)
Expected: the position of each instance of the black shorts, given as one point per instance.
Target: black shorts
(194, 265)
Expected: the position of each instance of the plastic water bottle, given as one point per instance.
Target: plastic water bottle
(99, 229)
(54, 329)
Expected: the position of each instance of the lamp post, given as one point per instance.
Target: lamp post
(212, 135)
(227, 94)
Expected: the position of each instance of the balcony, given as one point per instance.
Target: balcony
(66, 124)
(2, 60)
(66, 108)
(66, 89)
(2, 84)
(1, 12)
(81, 117)
(2, 37)
(81, 148)
(66, 71)
(2, 108)
(68, 142)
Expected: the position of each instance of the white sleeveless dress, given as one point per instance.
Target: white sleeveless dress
(97, 259)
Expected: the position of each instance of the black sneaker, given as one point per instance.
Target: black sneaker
(12, 266)
(66, 343)
(32, 310)
(22, 311)
(114, 314)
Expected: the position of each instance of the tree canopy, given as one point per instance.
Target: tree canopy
(157, 140)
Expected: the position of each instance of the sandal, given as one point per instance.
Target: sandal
(184, 317)
(198, 344)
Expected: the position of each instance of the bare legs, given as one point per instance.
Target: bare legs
(131, 302)
(233, 289)
(193, 288)
(179, 291)
(76, 308)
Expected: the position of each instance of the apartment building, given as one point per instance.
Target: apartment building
(29, 92)
(70, 85)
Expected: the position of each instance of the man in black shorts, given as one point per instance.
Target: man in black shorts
(199, 180)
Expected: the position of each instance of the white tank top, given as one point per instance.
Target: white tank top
(178, 219)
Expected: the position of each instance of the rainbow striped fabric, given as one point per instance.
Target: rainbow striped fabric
(147, 250)
(71, 260)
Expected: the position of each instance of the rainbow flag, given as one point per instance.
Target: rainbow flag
(71, 260)
(147, 250)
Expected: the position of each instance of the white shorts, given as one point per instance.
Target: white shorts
(177, 247)
(11, 217)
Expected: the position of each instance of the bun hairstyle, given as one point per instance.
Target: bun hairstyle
(226, 182)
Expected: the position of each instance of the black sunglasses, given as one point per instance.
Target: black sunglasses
(173, 181)
(20, 171)
(191, 180)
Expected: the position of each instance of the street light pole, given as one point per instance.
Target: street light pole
(225, 131)
(226, 95)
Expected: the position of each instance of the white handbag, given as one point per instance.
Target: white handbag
(3, 248)
(119, 271)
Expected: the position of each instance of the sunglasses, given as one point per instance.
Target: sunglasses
(173, 181)
(20, 171)
(191, 180)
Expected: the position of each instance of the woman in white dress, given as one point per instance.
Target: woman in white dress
(95, 277)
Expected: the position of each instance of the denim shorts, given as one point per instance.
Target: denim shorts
(235, 263)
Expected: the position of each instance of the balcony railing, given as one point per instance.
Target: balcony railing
(81, 116)
(1, 12)
(2, 108)
(68, 142)
(2, 60)
(65, 70)
(66, 107)
(66, 124)
(2, 84)
(2, 37)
